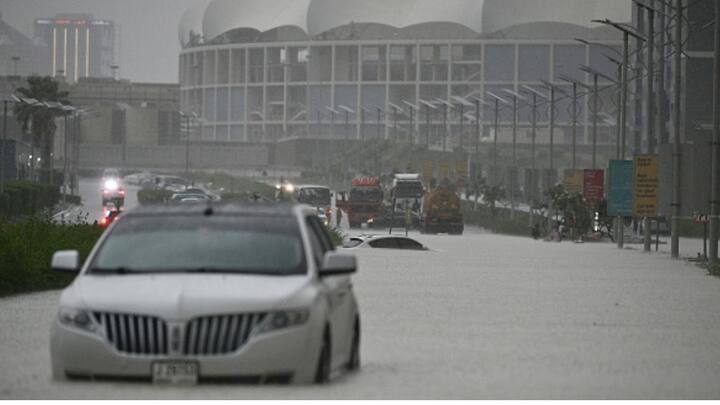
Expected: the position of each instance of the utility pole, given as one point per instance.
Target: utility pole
(677, 149)
(427, 126)
(649, 100)
(477, 127)
(574, 126)
(445, 129)
(624, 97)
(498, 100)
(715, 175)
(3, 161)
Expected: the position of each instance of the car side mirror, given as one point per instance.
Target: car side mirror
(66, 261)
(338, 264)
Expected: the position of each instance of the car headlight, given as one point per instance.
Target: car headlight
(111, 185)
(77, 318)
(283, 319)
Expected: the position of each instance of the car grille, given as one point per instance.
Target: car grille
(216, 335)
(134, 334)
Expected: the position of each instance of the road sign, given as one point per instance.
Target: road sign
(428, 170)
(620, 195)
(573, 181)
(646, 186)
(701, 219)
(461, 168)
(594, 187)
(444, 170)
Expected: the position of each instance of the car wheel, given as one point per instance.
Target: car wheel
(354, 362)
(322, 373)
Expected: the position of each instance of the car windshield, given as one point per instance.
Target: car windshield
(222, 244)
(314, 196)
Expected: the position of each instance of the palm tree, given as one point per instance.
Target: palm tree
(40, 119)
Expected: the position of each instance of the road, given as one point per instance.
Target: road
(90, 190)
(479, 316)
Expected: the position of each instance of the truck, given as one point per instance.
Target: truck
(407, 199)
(364, 202)
(442, 212)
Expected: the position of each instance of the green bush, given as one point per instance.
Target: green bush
(24, 198)
(149, 197)
(499, 222)
(26, 249)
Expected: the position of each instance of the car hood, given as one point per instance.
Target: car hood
(183, 296)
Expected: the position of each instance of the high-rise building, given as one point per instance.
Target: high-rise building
(78, 45)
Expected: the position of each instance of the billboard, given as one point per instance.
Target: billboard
(620, 195)
(646, 203)
(594, 187)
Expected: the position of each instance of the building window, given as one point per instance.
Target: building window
(534, 64)
(500, 63)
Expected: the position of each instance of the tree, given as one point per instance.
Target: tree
(574, 209)
(40, 119)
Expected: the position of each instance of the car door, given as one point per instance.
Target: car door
(340, 300)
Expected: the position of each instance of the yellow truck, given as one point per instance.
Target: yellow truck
(442, 212)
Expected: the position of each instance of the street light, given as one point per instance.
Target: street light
(463, 103)
(67, 110)
(412, 108)
(429, 107)
(446, 105)
(188, 117)
(596, 91)
(5, 100)
(575, 97)
(16, 61)
(478, 102)
(498, 100)
(347, 111)
(514, 172)
(627, 33)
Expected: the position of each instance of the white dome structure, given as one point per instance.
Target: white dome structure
(192, 22)
(502, 14)
(261, 15)
(315, 17)
(269, 70)
(324, 15)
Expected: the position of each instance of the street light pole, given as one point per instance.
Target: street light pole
(677, 149)
(3, 161)
(477, 127)
(714, 177)
(427, 126)
(16, 60)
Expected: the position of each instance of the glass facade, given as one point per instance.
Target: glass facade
(368, 89)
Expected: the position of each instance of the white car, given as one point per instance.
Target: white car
(191, 293)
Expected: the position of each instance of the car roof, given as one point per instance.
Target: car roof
(239, 209)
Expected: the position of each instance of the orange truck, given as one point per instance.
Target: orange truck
(442, 212)
(364, 202)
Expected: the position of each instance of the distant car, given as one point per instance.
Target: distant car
(186, 294)
(137, 179)
(178, 197)
(112, 189)
(192, 200)
(384, 242)
(111, 174)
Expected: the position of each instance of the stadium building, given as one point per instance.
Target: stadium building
(405, 70)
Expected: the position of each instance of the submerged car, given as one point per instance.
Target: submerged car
(383, 242)
(191, 293)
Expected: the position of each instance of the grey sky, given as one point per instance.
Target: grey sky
(149, 40)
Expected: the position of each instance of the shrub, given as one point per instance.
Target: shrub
(24, 198)
(26, 250)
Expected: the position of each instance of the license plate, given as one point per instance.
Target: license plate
(175, 373)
